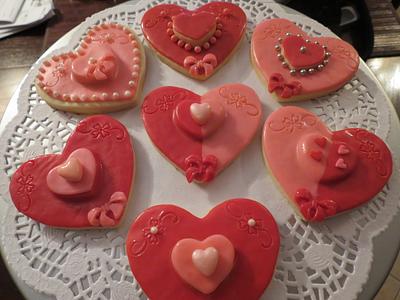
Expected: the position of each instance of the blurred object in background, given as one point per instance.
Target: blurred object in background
(18, 15)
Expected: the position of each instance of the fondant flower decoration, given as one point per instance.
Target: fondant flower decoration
(314, 209)
(200, 170)
(154, 230)
(109, 213)
(203, 66)
(284, 89)
(101, 69)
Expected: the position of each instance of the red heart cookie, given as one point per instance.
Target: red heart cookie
(229, 254)
(84, 186)
(105, 73)
(295, 66)
(201, 135)
(323, 173)
(196, 43)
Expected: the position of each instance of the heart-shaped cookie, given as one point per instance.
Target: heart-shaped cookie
(295, 66)
(229, 254)
(323, 173)
(196, 43)
(85, 186)
(201, 135)
(104, 74)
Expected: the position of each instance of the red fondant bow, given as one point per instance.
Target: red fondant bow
(200, 170)
(277, 84)
(203, 66)
(108, 214)
(314, 209)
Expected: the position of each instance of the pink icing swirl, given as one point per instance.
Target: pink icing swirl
(314, 209)
(200, 170)
(284, 89)
(108, 214)
(203, 66)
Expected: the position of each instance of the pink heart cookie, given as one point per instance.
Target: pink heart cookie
(196, 43)
(105, 73)
(323, 185)
(295, 66)
(201, 151)
(228, 254)
(86, 186)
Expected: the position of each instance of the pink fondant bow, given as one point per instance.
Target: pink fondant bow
(203, 66)
(314, 209)
(277, 84)
(200, 170)
(108, 214)
(102, 68)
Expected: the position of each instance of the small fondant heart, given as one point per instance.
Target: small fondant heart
(71, 170)
(105, 73)
(201, 112)
(47, 188)
(228, 254)
(295, 66)
(341, 164)
(203, 265)
(343, 150)
(206, 261)
(81, 167)
(201, 151)
(336, 183)
(196, 43)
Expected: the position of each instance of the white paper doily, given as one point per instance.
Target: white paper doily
(321, 261)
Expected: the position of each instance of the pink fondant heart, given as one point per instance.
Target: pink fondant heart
(108, 67)
(194, 25)
(71, 170)
(62, 185)
(103, 147)
(162, 240)
(336, 183)
(200, 112)
(183, 117)
(312, 55)
(163, 24)
(201, 152)
(343, 150)
(203, 264)
(270, 37)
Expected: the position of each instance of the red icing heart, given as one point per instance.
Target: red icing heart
(194, 25)
(312, 56)
(101, 135)
(201, 151)
(245, 223)
(341, 67)
(159, 23)
(341, 180)
(107, 68)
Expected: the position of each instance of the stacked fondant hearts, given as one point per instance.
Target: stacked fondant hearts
(201, 135)
(323, 173)
(105, 73)
(228, 254)
(198, 42)
(295, 66)
(85, 186)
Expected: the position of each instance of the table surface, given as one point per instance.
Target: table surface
(22, 50)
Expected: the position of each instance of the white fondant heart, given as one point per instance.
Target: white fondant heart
(343, 150)
(206, 261)
(340, 164)
(200, 112)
